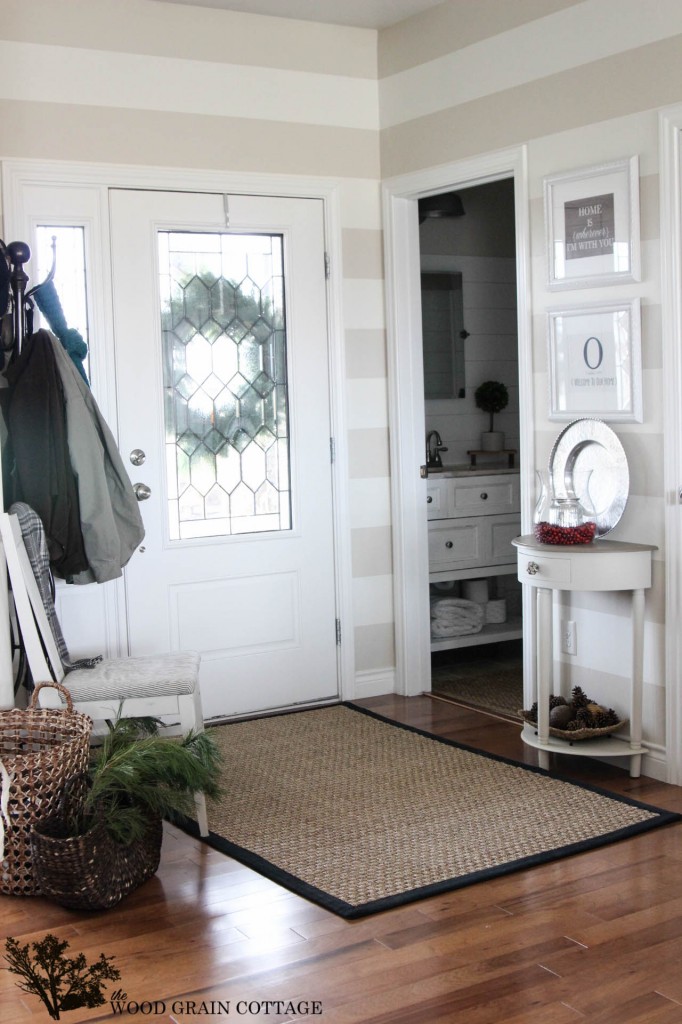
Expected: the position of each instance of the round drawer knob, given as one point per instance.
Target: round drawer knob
(429, 500)
(532, 568)
(484, 496)
(448, 543)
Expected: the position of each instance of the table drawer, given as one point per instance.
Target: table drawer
(536, 570)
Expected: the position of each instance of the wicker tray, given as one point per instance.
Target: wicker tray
(577, 734)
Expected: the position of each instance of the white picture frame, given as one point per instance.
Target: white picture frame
(592, 225)
(595, 362)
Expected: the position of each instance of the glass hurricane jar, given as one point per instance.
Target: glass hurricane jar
(562, 519)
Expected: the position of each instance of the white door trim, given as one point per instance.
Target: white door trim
(17, 174)
(406, 394)
(670, 129)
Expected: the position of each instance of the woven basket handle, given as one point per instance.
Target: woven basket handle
(57, 686)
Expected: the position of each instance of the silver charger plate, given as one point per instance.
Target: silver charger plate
(587, 456)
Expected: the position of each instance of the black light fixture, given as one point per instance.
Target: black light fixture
(449, 204)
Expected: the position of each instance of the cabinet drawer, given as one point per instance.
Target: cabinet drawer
(456, 545)
(469, 543)
(437, 493)
(503, 529)
(454, 497)
(486, 495)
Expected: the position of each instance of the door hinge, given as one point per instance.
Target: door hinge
(338, 631)
(332, 449)
(327, 266)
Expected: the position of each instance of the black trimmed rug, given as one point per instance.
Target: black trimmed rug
(359, 814)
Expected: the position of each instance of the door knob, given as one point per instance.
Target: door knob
(142, 492)
(137, 456)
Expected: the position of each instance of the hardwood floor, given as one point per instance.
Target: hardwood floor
(595, 937)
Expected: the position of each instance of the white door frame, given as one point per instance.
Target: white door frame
(670, 132)
(406, 395)
(17, 174)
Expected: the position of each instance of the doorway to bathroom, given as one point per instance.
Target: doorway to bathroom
(467, 252)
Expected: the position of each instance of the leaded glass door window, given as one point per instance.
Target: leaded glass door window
(225, 383)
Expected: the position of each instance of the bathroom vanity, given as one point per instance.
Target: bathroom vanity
(473, 516)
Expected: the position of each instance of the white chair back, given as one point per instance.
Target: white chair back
(172, 679)
(39, 643)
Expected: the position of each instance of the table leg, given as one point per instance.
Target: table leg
(544, 669)
(637, 681)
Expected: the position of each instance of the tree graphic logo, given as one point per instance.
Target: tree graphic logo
(63, 983)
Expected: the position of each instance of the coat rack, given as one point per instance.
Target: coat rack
(20, 306)
(17, 254)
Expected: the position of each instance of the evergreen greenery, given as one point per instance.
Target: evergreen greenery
(137, 774)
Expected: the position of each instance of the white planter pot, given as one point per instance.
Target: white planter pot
(492, 441)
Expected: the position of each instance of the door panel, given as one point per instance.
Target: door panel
(223, 385)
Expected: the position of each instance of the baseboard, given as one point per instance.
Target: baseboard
(374, 683)
(654, 763)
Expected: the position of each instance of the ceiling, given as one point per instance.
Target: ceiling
(359, 13)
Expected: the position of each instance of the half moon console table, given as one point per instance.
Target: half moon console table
(604, 565)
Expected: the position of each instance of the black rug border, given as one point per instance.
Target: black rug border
(350, 911)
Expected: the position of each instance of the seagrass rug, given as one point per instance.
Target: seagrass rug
(360, 814)
(488, 678)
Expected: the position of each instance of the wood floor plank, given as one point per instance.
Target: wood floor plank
(595, 937)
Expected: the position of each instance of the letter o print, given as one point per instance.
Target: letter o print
(589, 352)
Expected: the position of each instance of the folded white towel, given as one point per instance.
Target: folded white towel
(453, 616)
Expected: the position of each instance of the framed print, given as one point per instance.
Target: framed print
(592, 224)
(595, 363)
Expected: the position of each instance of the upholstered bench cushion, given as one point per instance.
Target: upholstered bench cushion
(155, 675)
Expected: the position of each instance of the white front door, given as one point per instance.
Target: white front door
(223, 394)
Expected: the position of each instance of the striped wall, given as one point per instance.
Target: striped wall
(578, 83)
(137, 82)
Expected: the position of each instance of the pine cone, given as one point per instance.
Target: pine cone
(605, 718)
(532, 713)
(556, 701)
(579, 699)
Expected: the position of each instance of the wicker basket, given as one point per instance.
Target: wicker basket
(40, 748)
(577, 734)
(91, 871)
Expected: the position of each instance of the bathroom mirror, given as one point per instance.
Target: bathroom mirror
(443, 335)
